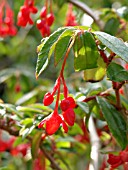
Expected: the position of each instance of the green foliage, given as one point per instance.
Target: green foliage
(90, 83)
(115, 121)
(117, 73)
(114, 44)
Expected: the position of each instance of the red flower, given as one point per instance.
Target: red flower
(114, 160)
(7, 27)
(21, 148)
(70, 18)
(69, 116)
(24, 13)
(53, 122)
(67, 103)
(117, 160)
(48, 99)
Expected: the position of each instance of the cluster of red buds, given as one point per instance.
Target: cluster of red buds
(7, 27)
(70, 17)
(54, 120)
(14, 151)
(23, 17)
(117, 160)
(46, 20)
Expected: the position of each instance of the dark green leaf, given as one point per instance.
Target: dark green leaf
(45, 53)
(112, 26)
(114, 44)
(35, 144)
(62, 45)
(86, 53)
(115, 121)
(116, 72)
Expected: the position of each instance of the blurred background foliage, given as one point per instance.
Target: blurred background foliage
(18, 85)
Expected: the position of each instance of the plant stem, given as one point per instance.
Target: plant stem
(50, 158)
(118, 102)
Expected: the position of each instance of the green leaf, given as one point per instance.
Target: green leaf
(96, 74)
(112, 26)
(114, 44)
(84, 106)
(44, 51)
(35, 144)
(116, 72)
(115, 121)
(86, 53)
(62, 45)
(24, 132)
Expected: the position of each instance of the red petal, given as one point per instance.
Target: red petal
(114, 160)
(53, 124)
(69, 116)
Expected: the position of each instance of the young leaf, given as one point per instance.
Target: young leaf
(35, 144)
(116, 72)
(114, 44)
(96, 74)
(86, 53)
(62, 45)
(115, 121)
(44, 56)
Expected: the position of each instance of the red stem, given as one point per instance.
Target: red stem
(58, 96)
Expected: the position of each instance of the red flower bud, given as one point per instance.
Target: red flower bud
(48, 99)
(69, 102)
(43, 12)
(50, 19)
(69, 116)
(40, 24)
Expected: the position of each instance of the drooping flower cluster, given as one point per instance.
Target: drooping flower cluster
(46, 20)
(8, 146)
(7, 27)
(23, 17)
(54, 120)
(70, 17)
(117, 160)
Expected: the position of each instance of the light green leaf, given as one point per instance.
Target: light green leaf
(62, 45)
(114, 44)
(84, 106)
(96, 74)
(115, 121)
(44, 51)
(86, 53)
(116, 72)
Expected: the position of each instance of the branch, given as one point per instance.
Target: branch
(50, 158)
(88, 11)
(6, 127)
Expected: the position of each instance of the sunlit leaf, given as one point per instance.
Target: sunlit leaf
(86, 53)
(114, 44)
(96, 74)
(44, 51)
